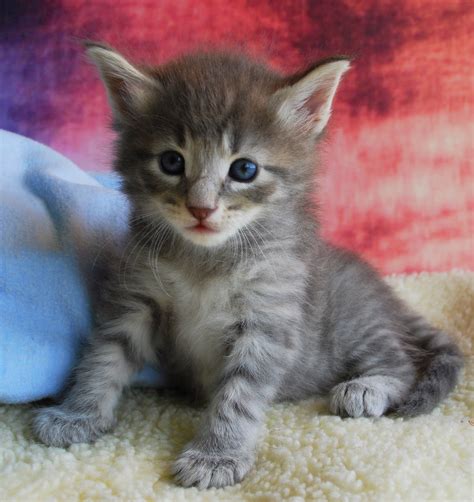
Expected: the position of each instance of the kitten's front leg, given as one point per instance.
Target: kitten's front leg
(223, 451)
(117, 350)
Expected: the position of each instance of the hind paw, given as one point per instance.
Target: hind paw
(357, 399)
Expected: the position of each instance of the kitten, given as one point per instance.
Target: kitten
(227, 285)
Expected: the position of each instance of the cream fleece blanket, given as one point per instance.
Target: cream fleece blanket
(305, 453)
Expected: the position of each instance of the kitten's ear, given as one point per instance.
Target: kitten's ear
(307, 97)
(128, 88)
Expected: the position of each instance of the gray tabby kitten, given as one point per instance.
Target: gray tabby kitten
(228, 286)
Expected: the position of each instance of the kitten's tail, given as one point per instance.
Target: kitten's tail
(440, 361)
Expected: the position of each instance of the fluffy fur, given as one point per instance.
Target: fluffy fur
(255, 308)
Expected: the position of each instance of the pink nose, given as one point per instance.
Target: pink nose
(201, 213)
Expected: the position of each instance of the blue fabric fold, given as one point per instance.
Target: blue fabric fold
(54, 221)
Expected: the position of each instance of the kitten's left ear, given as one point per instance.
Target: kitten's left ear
(128, 87)
(307, 98)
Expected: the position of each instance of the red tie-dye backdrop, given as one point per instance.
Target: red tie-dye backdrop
(398, 185)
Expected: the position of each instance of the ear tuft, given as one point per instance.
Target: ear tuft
(127, 86)
(308, 97)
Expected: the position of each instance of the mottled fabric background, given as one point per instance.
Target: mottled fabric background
(398, 185)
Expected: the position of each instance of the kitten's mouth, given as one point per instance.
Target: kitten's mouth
(201, 228)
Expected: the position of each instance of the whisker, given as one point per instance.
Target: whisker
(251, 234)
(153, 255)
(136, 241)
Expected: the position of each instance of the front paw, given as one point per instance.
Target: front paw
(58, 426)
(206, 468)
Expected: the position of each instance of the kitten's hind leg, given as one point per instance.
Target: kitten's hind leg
(116, 352)
(367, 396)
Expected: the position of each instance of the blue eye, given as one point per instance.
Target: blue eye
(243, 170)
(172, 163)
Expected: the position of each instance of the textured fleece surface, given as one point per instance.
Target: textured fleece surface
(304, 454)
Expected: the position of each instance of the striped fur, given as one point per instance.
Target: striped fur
(260, 310)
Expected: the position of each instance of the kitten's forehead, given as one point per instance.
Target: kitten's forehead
(204, 148)
(219, 98)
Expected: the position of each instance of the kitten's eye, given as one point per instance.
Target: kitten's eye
(243, 170)
(172, 163)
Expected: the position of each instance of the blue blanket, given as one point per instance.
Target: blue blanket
(54, 220)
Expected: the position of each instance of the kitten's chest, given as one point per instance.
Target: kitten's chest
(202, 312)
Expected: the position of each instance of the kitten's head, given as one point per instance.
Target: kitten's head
(212, 142)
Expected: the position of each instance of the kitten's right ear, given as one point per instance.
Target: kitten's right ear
(307, 98)
(128, 88)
